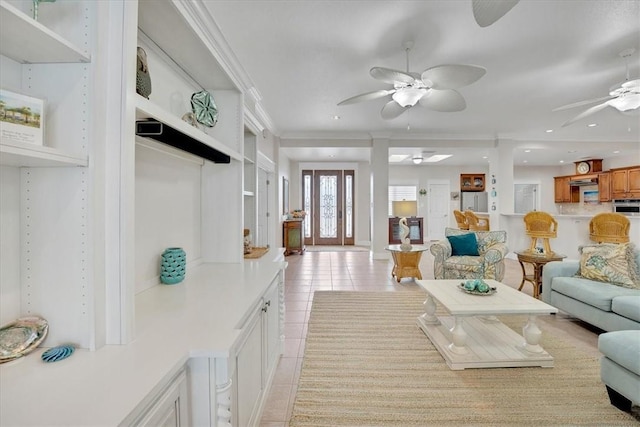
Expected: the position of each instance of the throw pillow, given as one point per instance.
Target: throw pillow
(611, 263)
(464, 244)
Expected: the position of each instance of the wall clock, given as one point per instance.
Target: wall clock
(583, 167)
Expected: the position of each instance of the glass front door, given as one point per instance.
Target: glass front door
(328, 200)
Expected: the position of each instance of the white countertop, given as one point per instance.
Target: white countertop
(199, 317)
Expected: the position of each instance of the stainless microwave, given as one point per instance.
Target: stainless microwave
(627, 206)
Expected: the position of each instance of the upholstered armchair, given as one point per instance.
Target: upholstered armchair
(487, 264)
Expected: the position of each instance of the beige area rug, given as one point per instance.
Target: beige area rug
(256, 252)
(366, 363)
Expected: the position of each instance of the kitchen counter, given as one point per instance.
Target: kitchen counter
(573, 231)
(199, 317)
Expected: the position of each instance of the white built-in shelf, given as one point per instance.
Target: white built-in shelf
(248, 193)
(166, 23)
(35, 43)
(32, 155)
(145, 109)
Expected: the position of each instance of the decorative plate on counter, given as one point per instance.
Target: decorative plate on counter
(21, 337)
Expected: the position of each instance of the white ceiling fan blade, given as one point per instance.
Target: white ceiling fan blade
(447, 101)
(388, 75)
(392, 109)
(586, 113)
(452, 76)
(581, 103)
(486, 12)
(632, 84)
(367, 96)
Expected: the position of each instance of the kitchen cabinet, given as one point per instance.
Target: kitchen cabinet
(472, 182)
(625, 183)
(257, 356)
(170, 408)
(604, 187)
(564, 192)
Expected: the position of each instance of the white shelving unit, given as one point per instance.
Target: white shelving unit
(37, 44)
(47, 248)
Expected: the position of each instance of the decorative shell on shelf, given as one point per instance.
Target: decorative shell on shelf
(204, 108)
(143, 79)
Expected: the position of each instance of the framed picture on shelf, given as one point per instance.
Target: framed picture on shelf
(21, 118)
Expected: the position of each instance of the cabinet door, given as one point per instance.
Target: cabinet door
(562, 189)
(633, 180)
(604, 187)
(619, 183)
(171, 408)
(249, 371)
(271, 328)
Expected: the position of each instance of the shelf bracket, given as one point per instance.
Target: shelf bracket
(167, 135)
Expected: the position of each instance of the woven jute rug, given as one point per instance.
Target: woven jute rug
(367, 363)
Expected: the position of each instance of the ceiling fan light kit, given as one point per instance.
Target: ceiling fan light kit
(624, 97)
(434, 88)
(417, 160)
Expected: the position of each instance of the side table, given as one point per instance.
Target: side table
(538, 261)
(292, 236)
(406, 263)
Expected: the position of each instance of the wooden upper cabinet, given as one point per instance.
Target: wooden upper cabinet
(625, 183)
(604, 187)
(564, 193)
(472, 182)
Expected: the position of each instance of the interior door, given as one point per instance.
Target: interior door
(327, 207)
(438, 209)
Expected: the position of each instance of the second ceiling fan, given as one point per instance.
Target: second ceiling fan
(435, 88)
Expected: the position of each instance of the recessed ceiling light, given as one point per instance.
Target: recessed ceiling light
(549, 130)
(592, 125)
(332, 155)
(616, 152)
(335, 117)
(571, 151)
(527, 151)
(525, 161)
(561, 161)
(484, 157)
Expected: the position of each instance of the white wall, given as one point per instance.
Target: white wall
(168, 212)
(284, 168)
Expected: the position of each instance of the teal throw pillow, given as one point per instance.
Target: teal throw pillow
(464, 244)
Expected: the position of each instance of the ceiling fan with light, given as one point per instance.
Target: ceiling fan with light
(435, 88)
(624, 97)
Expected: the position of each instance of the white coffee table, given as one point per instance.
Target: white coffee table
(472, 337)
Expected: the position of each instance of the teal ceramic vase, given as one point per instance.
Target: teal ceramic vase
(173, 266)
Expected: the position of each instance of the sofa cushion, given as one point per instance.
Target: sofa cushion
(627, 306)
(591, 292)
(610, 263)
(622, 347)
(464, 244)
(460, 267)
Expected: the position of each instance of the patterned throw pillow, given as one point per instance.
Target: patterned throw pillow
(611, 263)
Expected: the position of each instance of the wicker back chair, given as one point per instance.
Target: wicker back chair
(609, 227)
(461, 220)
(540, 225)
(475, 223)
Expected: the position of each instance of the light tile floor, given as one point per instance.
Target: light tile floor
(355, 271)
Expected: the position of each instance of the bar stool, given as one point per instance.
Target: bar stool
(540, 225)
